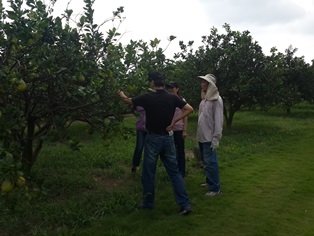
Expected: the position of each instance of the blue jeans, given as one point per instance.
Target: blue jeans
(140, 138)
(210, 162)
(164, 146)
(179, 144)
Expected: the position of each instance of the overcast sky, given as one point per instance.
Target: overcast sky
(272, 23)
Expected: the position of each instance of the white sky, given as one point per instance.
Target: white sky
(272, 23)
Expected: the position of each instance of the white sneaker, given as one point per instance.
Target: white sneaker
(212, 194)
(203, 185)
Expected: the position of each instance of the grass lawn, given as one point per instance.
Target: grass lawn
(266, 169)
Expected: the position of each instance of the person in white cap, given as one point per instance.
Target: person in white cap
(209, 132)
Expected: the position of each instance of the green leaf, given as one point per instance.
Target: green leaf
(12, 15)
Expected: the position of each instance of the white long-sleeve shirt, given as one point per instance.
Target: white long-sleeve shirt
(210, 121)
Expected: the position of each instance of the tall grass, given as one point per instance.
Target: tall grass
(266, 175)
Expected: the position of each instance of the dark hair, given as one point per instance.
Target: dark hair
(174, 85)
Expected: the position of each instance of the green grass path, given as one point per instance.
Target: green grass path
(268, 193)
(273, 194)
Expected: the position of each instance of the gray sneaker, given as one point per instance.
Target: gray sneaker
(204, 185)
(212, 194)
(184, 212)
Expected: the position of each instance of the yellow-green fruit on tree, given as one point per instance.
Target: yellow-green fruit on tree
(21, 85)
(20, 182)
(8, 154)
(6, 186)
(81, 78)
(106, 143)
(14, 81)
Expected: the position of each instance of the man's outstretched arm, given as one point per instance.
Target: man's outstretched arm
(124, 98)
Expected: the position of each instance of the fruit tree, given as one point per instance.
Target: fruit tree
(53, 74)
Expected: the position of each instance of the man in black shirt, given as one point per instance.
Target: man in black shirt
(160, 107)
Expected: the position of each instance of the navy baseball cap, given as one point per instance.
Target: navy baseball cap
(155, 76)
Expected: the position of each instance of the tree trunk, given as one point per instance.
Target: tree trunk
(229, 117)
(27, 156)
(30, 152)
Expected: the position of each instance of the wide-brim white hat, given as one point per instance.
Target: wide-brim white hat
(210, 78)
(212, 91)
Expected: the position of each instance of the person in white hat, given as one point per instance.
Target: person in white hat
(209, 132)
